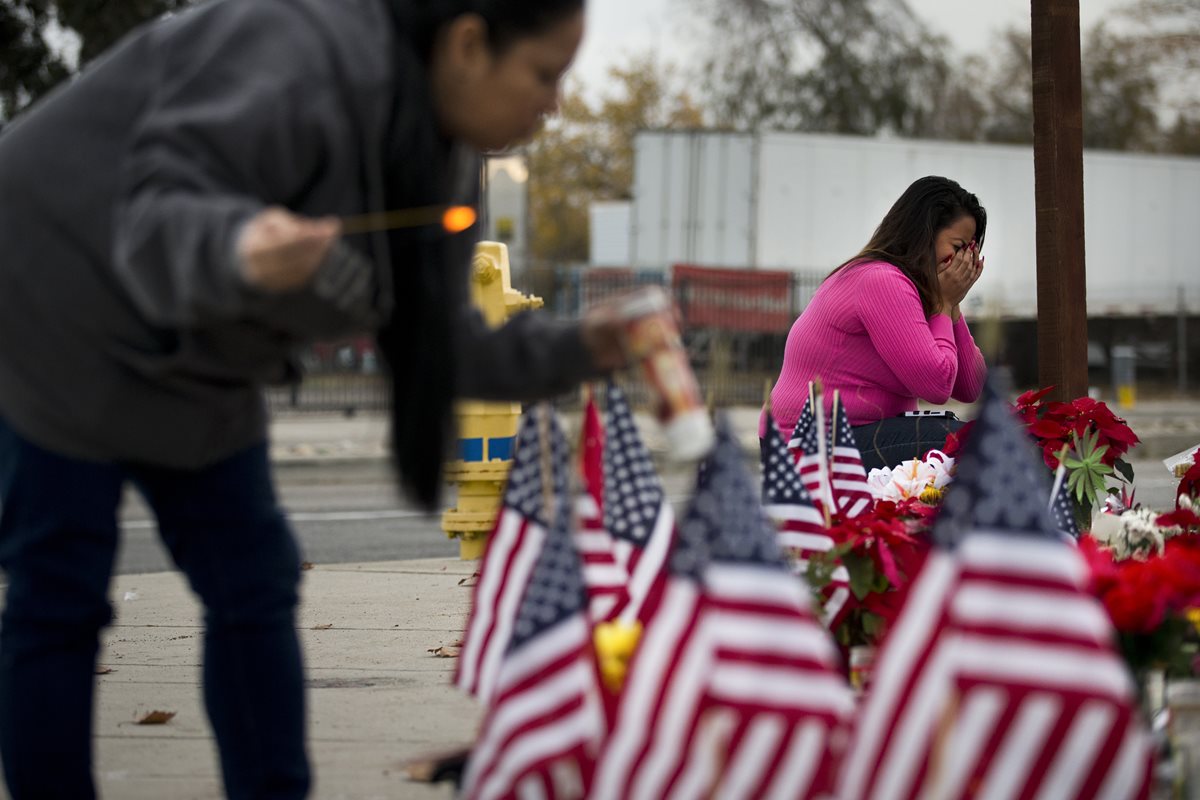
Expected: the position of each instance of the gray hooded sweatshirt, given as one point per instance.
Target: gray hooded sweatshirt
(126, 331)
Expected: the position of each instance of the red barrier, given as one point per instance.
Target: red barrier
(754, 301)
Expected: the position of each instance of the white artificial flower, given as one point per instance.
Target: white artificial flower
(1132, 533)
(912, 477)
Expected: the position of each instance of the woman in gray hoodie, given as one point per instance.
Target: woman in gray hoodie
(170, 236)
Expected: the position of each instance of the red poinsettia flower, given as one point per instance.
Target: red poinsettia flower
(1032, 397)
(1048, 429)
(1189, 485)
(1180, 518)
(1137, 603)
(1101, 567)
(956, 439)
(912, 509)
(1140, 594)
(1054, 424)
(1051, 450)
(883, 535)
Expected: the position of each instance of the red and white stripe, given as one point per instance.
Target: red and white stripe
(620, 576)
(847, 476)
(539, 736)
(512, 549)
(802, 534)
(999, 680)
(739, 669)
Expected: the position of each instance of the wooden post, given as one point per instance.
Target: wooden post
(1058, 181)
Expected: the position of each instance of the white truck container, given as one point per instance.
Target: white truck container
(609, 223)
(807, 202)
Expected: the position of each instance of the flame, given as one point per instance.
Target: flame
(457, 219)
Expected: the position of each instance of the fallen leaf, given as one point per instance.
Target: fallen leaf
(324, 626)
(445, 651)
(156, 718)
(103, 670)
(306, 565)
(470, 580)
(446, 765)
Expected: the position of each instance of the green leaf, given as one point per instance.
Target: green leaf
(1125, 468)
(872, 624)
(862, 573)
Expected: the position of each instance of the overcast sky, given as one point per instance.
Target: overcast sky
(617, 29)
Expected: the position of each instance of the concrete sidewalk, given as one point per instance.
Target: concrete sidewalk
(376, 695)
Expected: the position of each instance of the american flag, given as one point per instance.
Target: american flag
(733, 690)
(851, 494)
(805, 448)
(512, 547)
(604, 583)
(801, 524)
(625, 557)
(1062, 510)
(999, 677)
(546, 720)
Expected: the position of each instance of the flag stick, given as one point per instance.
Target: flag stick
(825, 490)
(545, 448)
(1059, 474)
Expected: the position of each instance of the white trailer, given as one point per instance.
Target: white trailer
(807, 202)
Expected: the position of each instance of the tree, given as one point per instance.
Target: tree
(586, 154)
(28, 66)
(1006, 84)
(1120, 94)
(838, 66)
(32, 61)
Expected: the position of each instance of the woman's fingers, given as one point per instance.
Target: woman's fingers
(280, 251)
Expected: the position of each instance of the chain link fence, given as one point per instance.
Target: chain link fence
(734, 324)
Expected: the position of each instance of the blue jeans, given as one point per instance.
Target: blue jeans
(895, 440)
(58, 542)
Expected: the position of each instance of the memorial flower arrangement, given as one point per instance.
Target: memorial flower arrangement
(1145, 569)
(882, 550)
(1087, 437)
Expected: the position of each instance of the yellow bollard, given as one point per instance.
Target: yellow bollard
(487, 431)
(1124, 371)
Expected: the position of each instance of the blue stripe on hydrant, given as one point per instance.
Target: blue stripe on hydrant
(500, 447)
(470, 449)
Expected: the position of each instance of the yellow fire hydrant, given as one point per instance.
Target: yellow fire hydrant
(486, 431)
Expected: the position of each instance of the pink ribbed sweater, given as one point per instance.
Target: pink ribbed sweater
(866, 335)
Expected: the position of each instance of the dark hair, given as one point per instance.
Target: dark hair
(419, 341)
(507, 20)
(907, 234)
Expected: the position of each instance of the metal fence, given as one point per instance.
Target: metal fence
(734, 325)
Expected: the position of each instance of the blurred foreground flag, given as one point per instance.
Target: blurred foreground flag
(546, 717)
(999, 677)
(625, 557)
(733, 690)
(512, 548)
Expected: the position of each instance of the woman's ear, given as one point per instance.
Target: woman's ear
(463, 48)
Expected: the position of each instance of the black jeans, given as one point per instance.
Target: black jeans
(58, 543)
(897, 439)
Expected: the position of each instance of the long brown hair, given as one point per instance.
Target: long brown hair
(909, 230)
